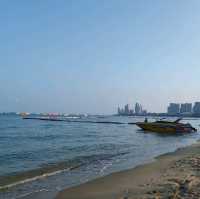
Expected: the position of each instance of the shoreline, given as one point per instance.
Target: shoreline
(174, 174)
(9, 181)
(122, 184)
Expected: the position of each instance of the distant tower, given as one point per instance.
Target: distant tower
(137, 108)
(119, 111)
(173, 109)
(196, 108)
(186, 108)
(140, 108)
(126, 109)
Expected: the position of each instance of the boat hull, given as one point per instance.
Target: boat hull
(164, 128)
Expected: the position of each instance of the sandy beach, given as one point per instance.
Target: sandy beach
(173, 175)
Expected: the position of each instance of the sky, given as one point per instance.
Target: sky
(91, 56)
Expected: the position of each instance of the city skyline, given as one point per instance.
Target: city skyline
(184, 108)
(173, 109)
(89, 56)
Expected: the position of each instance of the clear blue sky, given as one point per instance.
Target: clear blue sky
(89, 56)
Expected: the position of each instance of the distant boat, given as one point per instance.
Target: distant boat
(24, 114)
(166, 126)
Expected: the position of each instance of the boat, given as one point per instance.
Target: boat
(163, 126)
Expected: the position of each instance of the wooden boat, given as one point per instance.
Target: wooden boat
(166, 126)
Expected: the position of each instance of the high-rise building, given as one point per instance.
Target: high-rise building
(138, 109)
(173, 109)
(126, 109)
(196, 108)
(186, 108)
(129, 111)
(119, 111)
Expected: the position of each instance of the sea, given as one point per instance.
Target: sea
(40, 158)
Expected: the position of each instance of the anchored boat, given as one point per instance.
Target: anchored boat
(166, 126)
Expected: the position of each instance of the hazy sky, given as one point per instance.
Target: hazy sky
(89, 56)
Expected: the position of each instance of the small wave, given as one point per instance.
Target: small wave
(19, 156)
(43, 137)
(6, 137)
(98, 147)
(47, 170)
(50, 125)
(9, 127)
(30, 179)
(32, 192)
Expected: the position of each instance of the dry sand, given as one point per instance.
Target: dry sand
(174, 175)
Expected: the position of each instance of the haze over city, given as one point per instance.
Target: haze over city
(93, 56)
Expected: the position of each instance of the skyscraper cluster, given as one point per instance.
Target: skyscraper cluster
(174, 109)
(137, 110)
(185, 108)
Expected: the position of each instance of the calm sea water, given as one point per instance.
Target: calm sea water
(92, 150)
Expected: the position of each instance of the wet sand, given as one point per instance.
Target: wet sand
(174, 175)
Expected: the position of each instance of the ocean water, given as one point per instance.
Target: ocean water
(54, 155)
